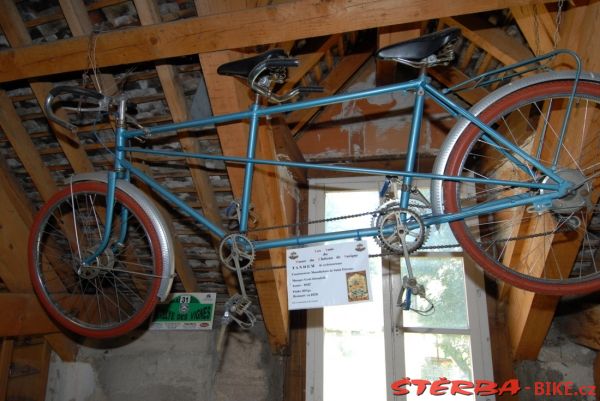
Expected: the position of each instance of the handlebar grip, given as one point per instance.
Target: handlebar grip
(76, 90)
(308, 89)
(282, 62)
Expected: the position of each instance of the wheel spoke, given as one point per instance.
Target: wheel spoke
(118, 290)
(535, 246)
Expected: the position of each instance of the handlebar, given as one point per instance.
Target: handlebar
(102, 100)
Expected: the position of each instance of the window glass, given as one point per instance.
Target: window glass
(353, 345)
(444, 281)
(432, 356)
(422, 343)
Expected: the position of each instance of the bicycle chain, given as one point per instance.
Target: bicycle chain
(376, 255)
(351, 216)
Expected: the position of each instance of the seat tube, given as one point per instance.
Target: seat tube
(249, 170)
(413, 143)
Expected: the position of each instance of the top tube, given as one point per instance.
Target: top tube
(283, 108)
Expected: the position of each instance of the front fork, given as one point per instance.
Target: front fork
(113, 176)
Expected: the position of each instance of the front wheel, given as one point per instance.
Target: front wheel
(118, 290)
(551, 248)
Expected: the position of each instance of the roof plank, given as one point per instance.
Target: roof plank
(248, 27)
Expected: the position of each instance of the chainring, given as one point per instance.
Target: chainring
(237, 246)
(390, 214)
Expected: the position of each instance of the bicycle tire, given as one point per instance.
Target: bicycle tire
(533, 249)
(119, 291)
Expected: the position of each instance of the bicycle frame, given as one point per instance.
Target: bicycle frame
(552, 188)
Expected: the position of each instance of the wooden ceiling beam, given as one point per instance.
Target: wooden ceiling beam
(335, 80)
(22, 315)
(537, 26)
(10, 20)
(15, 220)
(287, 148)
(25, 148)
(306, 62)
(77, 17)
(236, 29)
(529, 315)
(497, 43)
(6, 351)
(229, 95)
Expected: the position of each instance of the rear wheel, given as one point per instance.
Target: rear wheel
(549, 248)
(115, 293)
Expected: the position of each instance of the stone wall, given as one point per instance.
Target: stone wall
(182, 366)
(560, 361)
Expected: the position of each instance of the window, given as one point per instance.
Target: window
(356, 352)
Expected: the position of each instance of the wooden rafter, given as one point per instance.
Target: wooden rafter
(149, 14)
(340, 74)
(529, 315)
(18, 36)
(253, 26)
(27, 373)
(228, 95)
(25, 148)
(79, 22)
(306, 62)
(6, 351)
(537, 26)
(494, 41)
(15, 220)
(450, 76)
(22, 315)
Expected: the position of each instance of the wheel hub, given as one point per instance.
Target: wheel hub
(103, 263)
(579, 197)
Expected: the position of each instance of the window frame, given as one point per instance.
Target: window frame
(474, 290)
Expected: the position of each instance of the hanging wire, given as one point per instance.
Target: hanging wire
(92, 64)
(558, 21)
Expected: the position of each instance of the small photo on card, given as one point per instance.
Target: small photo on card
(358, 288)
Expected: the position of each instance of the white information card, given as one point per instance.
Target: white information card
(325, 275)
